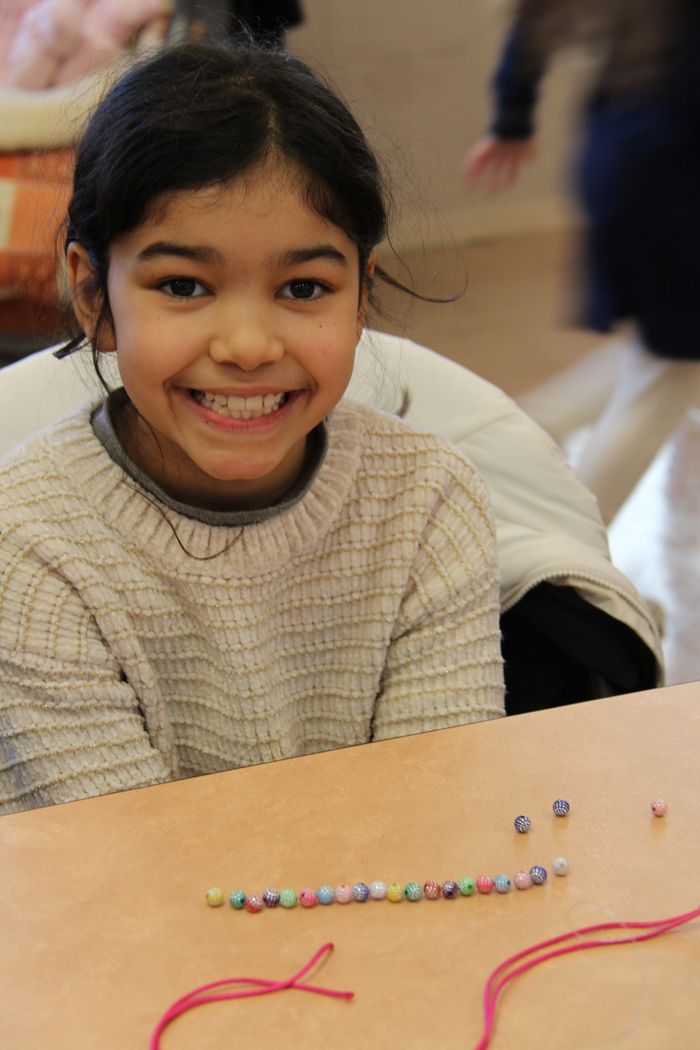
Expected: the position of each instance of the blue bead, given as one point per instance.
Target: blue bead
(360, 891)
(538, 875)
(561, 807)
(326, 894)
(501, 883)
(522, 824)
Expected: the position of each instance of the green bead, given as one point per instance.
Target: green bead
(288, 898)
(466, 887)
(412, 891)
(237, 899)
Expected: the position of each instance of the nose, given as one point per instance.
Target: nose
(245, 338)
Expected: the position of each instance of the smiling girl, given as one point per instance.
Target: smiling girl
(222, 562)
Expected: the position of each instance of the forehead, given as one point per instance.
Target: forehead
(266, 206)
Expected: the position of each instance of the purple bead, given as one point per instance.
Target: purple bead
(538, 874)
(561, 807)
(450, 889)
(360, 892)
(271, 898)
(522, 824)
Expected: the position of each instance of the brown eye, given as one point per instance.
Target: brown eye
(303, 289)
(183, 288)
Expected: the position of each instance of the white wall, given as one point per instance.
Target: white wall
(416, 75)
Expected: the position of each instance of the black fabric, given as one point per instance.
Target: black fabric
(265, 20)
(558, 649)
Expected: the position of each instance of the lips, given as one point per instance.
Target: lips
(233, 406)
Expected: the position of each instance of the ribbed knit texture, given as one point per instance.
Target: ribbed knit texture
(367, 610)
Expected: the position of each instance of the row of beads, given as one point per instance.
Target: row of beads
(395, 892)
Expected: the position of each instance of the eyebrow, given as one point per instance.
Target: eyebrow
(206, 254)
(196, 253)
(318, 251)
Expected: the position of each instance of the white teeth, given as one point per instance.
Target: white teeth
(235, 407)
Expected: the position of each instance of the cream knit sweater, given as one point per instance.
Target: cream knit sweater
(368, 609)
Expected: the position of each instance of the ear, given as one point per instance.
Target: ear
(86, 300)
(367, 279)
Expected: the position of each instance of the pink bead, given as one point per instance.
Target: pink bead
(308, 898)
(254, 903)
(659, 808)
(343, 893)
(522, 880)
(484, 884)
(432, 890)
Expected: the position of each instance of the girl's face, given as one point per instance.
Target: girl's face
(236, 312)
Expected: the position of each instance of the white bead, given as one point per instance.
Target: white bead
(377, 890)
(560, 866)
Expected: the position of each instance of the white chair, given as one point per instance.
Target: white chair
(574, 627)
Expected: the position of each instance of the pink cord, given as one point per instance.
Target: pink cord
(494, 986)
(264, 987)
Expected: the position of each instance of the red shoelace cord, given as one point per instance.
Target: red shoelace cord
(261, 986)
(495, 984)
(499, 978)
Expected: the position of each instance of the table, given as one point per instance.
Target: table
(104, 923)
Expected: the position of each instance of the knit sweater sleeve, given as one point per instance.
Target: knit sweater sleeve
(70, 724)
(444, 667)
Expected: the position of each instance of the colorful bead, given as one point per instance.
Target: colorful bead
(254, 903)
(395, 892)
(659, 808)
(377, 890)
(561, 807)
(501, 884)
(538, 874)
(560, 866)
(325, 894)
(484, 884)
(288, 898)
(466, 886)
(450, 889)
(522, 880)
(432, 890)
(343, 893)
(522, 824)
(237, 899)
(215, 897)
(412, 891)
(308, 898)
(360, 892)
(271, 898)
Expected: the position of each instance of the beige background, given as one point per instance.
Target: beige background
(416, 75)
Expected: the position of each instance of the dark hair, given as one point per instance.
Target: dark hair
(198, 115)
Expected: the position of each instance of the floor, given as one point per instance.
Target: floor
(511, 327)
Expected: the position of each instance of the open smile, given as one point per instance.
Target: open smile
(232, 406)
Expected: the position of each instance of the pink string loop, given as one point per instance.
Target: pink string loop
(261, 986)
(494, 986)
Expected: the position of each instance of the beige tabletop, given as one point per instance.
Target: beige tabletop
(104, 923)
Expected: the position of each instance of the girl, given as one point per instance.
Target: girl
(222, 563)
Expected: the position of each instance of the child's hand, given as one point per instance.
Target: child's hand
(496, 163)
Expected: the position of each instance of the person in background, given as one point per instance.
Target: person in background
(637, 176)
